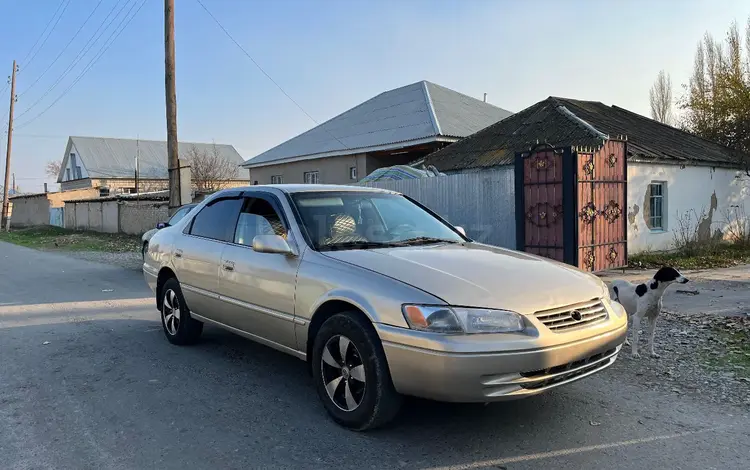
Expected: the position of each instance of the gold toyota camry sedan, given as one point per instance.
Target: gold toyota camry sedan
(382, 298)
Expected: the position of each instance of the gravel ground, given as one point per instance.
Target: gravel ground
(694, 352)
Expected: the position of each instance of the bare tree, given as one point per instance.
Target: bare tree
(210, 171)
(717, 100)
(52, 169)
(660, 97)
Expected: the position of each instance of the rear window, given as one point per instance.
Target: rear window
(217, 220)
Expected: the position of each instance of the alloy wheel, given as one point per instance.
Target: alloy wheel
(343, 373)
(170, 312)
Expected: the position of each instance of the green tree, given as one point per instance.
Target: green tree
(716, 104)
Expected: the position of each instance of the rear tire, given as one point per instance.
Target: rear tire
(179, 327)
(355, 387)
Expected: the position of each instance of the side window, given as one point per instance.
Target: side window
(217, 220)
(657, 203)
(258, 217)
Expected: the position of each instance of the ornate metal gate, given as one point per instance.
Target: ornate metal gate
(570, 202)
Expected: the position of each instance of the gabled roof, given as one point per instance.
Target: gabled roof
(418, 113)
(566, 122)
(115, 158)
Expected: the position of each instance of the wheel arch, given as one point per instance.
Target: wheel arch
(326, 310)
(165, 274)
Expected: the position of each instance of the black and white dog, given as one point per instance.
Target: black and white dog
(644, 300)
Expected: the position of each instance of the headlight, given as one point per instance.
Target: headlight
(444, 319)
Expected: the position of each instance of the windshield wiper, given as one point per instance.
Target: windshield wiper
(357, 244)
(422, 241)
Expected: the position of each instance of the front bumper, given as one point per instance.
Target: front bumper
(446, 374)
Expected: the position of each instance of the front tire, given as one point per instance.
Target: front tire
(351, 373)
(144, 250)
(179, 327)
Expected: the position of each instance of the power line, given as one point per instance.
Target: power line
(93, 61)
(263, 71)
(63, 50)
(81, 54)
(31, 59)
(43, 31)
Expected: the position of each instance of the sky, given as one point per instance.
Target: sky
(328, 56)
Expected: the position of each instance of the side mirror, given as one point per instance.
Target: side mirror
(162, 225)
(271, 244)
(461, 230)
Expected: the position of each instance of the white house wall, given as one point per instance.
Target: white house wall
(713, 190)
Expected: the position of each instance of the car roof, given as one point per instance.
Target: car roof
(306, 188)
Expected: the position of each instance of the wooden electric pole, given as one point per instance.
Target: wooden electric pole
(6, 201)
(173, 162)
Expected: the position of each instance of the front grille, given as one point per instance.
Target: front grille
(564, 318)
(557, 374)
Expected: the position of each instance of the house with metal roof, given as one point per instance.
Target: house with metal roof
(678, 184)
(111, 164)
(395, 127)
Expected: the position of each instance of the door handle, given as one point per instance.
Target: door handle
(229, 265)
(178, 253)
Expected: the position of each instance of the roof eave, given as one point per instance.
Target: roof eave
(338, 153)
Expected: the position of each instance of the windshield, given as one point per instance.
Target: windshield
(182, 212)
(341, 220)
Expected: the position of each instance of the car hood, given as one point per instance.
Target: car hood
(475, 275)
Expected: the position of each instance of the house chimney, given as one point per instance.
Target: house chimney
(485, 98)
(45, 187)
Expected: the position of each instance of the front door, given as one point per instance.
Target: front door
(197, 254)
(257, 289)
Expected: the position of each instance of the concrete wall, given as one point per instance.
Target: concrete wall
(129, 217)
(138, 217)
(58, 199)
(707, 191)
(333, 170)
(110, 217)
(30, 210)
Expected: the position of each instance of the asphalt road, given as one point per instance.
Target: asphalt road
(87, 381)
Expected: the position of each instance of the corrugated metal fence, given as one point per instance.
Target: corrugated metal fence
(483, 203)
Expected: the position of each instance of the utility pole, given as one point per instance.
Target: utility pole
(137, 155)
(6, 201)
(173, 162)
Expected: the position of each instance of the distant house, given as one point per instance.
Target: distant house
(395, 127)
(674, 178)
(110, 164)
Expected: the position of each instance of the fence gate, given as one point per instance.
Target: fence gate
(56, 217)
(570, 203)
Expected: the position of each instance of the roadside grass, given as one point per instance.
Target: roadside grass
(735, 353)
(722, 255)
(60, 239)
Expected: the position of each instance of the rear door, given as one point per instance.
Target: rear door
(197, 253)
(257, 289)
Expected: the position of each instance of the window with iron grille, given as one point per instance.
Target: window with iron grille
(657, 203)
(312, 177)
(277, 179)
